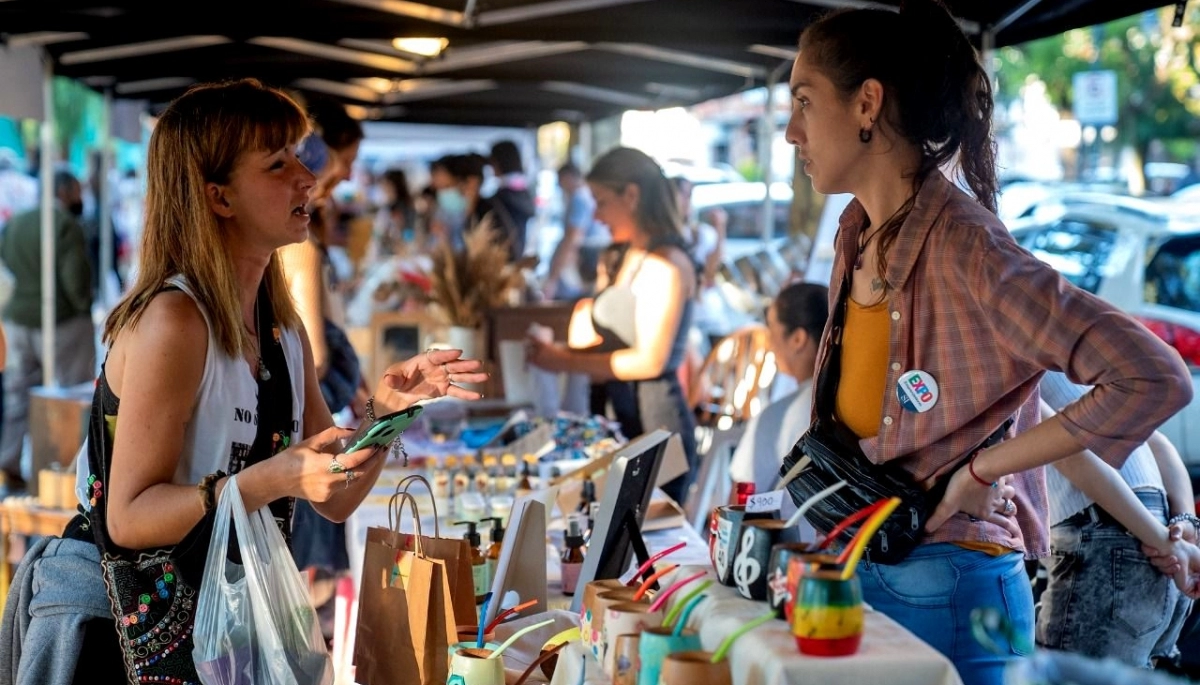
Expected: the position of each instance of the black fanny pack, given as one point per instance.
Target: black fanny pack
(838, 457)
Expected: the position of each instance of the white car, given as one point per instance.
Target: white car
(1141, 255)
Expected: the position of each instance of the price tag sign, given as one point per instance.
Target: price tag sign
(766, 501)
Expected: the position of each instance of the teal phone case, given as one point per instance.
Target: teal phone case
(383, 431)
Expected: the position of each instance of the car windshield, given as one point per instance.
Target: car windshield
(1173, 275)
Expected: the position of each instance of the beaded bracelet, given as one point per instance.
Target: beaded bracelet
(1190, 518)
(208, 490)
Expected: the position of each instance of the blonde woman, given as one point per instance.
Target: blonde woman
(209, 371)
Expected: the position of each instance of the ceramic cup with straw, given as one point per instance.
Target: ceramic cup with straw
(827, 614)
(778, 583)
(752, 558)
(465, 666)
(729, 521)
(622, 618)
(778, 591)
(587, 611)
(606, 599)
(625, 659)
(659, 642)
(709, 668)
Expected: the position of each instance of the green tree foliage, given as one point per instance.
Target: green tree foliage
(1157, 66)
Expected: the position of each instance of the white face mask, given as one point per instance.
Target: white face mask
(452, 201)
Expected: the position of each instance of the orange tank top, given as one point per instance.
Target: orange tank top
(860, 390)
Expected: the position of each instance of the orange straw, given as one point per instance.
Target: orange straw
(508, 612)
(637, 596)
(854, 551)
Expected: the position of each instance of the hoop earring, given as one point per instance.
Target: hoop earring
(864, 135)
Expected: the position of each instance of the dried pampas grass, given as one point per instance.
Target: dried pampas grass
(469, 283)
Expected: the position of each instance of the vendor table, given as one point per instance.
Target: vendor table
(24, 517)
(768, 655)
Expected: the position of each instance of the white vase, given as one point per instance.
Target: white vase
(469, 340)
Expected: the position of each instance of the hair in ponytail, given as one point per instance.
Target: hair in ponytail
(936, 92)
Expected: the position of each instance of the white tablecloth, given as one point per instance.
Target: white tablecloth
(768, 655)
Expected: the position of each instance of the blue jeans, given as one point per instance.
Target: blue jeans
(933, 591)
(1104, 598)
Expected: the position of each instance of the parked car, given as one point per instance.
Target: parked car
(742, 203)
(1141, 255)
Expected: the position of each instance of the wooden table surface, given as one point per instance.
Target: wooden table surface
(22, 517)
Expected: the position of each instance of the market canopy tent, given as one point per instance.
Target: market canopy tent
(507, 62)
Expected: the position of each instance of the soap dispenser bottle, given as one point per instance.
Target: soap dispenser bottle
(480, 578)
(493, 551)
(572, 555)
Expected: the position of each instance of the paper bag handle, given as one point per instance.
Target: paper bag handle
(399, 499)
(407, 482)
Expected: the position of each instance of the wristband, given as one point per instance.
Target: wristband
(208, 490)
(369, 412)
(971, 470)
(1190, 518)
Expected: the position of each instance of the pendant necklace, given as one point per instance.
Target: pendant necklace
(862, 246)
(264, 374)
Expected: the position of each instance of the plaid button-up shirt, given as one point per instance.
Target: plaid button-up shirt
(985, 318)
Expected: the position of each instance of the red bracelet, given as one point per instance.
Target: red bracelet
(971, 470)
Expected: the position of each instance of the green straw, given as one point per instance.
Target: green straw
(719, 655)
(686, 598)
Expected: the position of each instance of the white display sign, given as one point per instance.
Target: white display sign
(1095, 97)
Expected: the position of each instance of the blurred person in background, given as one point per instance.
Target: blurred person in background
(631, 337)
(450, 212)
(795, 321)
(18, 190)
(319, 544)
(576, 259)
(512, 204)
(396, 219)
(74, 332)
(705, 235)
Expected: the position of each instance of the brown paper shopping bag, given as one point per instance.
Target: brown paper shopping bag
(405, 617)
(455, 553)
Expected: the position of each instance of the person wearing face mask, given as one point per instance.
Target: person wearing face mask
(449, 216)
(74, 334)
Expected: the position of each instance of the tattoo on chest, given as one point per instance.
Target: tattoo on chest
(876, 285)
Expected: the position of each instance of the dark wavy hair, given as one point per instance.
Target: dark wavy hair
(803, 305)
(657, 212)
(937, 94)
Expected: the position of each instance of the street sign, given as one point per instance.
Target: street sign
(1095, 97)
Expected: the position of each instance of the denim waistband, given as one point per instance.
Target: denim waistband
(1154, 500)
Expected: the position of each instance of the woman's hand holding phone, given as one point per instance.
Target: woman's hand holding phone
(322, 470)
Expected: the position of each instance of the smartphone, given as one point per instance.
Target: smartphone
(383, 430)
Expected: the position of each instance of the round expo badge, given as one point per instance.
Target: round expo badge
(917, 391)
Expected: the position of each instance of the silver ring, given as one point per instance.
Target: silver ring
(1009, 507)
(351, 474)
(336, 466)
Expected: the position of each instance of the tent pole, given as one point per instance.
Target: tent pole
(46, 176)
(105, 266)
(766, 137)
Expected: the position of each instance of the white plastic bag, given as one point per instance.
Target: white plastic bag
(255, 623)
